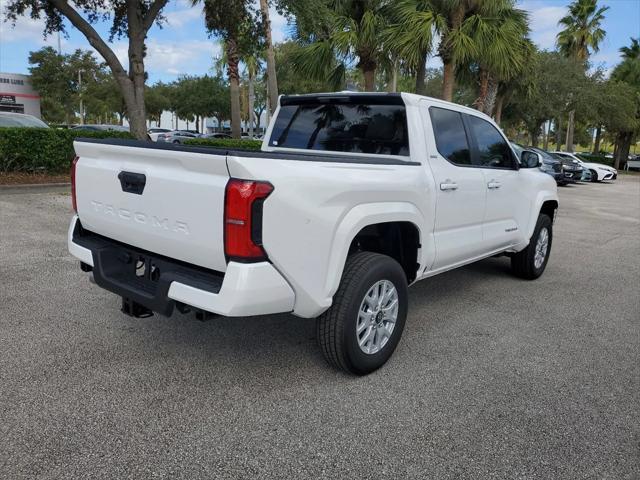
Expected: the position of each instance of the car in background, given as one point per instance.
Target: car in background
(572, 169)
(95, 127)
(177, 136)
(11, 119)
(155, 131)
(548, 163)
(216, 135)
(598, 171)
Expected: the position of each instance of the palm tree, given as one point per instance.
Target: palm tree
(346, 31)
(500, 48)
(410, 35)
(581, 34)
(467, 30)
(231, 20)
(580, 37)
(272, 81)
(631, 52)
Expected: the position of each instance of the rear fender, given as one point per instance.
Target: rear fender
(361, 216)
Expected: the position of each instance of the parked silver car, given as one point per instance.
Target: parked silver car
(177, 136)
(11, 119)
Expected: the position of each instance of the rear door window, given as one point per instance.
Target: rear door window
(343, 126)
(450, 135)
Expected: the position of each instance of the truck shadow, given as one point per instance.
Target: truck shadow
(281, 345)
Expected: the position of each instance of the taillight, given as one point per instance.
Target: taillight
(243, 219)
(74, 201)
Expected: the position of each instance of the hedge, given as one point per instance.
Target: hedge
(42, 149)
(242, 144)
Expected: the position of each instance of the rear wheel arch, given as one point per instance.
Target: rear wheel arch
(399, 240)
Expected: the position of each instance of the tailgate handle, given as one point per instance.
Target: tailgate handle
(132, 182)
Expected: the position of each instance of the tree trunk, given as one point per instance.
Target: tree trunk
(449, 70)
(369, 75)
(394, 78)
(369, 79)
(131, 84)
(492, 93)
(558, 133)
(533, 135)
(570, 127)
(234, 85)
(483, 91)
(498, 109)
(596, 144)
(272, 81)
(623, 142)
(546, 126)
(251, 102)
(421, 73)
(447, 81)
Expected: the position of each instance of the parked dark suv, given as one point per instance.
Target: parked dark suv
(573, 171)
(548, 163)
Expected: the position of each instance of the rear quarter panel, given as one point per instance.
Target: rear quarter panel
(317, 208)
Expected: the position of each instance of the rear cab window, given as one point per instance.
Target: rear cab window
(375, 125)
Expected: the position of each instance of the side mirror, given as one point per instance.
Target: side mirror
(529, 159)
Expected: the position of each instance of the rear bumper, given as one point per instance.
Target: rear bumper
(243, 290)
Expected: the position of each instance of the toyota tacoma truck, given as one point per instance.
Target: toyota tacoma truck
(352, 197)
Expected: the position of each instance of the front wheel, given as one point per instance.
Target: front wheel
(594, 176)
(531, 262)
(362, 328)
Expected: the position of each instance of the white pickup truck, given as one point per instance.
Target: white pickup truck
(352, 197)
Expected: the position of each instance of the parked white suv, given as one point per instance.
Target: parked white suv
(352, 198)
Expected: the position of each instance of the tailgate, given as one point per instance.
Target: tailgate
(166, 201)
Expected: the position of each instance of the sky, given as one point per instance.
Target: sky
(182, 46)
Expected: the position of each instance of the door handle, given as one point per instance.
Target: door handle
(448, 185)
(492, 185)
(132, 182)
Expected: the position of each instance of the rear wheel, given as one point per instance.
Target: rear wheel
(362, 328)
(531, 262)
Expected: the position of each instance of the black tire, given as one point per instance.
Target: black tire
(523, 262)
(336, 328)
(594, 176)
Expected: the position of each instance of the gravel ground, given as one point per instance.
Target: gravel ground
(494, 377)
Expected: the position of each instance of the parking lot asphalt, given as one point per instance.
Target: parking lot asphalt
(494, 377)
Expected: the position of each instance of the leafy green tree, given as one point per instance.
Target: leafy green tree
(50, 76)
(130, 18)
(625, 85)
(550, 87)
(156, 102)
(56, 77)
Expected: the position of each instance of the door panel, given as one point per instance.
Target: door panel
(460, 188)
(459, 212)
(501, 227)
(493, 155)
